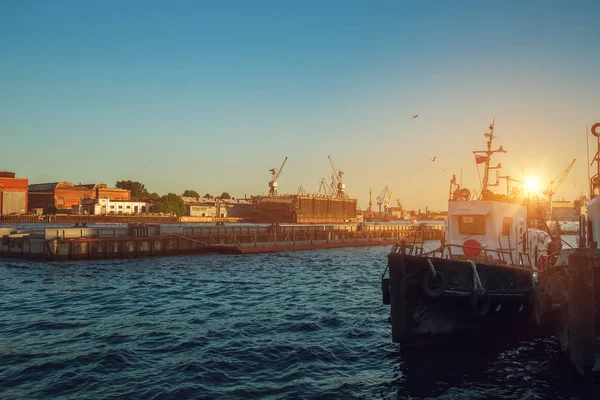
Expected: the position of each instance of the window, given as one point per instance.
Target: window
(120, 207)
(128, 207)
(112, 207)
(471, 224)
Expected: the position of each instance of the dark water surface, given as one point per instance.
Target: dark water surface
(304, 324)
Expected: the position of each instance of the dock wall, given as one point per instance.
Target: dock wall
(152, 241)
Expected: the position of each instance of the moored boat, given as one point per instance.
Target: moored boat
(483, 273)
(568, 293)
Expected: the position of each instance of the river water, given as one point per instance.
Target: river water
(306, 324)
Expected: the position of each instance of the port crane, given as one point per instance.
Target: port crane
(385, 198)
(302, 191)
(273, 184)
(340, 187)
(325, 189)
(554, 185)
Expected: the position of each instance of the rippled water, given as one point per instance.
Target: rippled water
(302, 324)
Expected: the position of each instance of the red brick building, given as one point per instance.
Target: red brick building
(13, 194)
(64, 195)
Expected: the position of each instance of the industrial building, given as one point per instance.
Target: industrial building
(217, 208)
(65, 195)
(13, 194)
(105, 206)
(195, 207)
(304, 209)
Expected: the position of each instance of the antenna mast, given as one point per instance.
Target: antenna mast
(488, 156)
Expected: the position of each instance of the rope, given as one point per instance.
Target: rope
(477, 286)
(431, 268)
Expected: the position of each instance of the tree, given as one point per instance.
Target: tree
(208, 196)
(137, 189)
(225, 195)
(153, 196)
(191, 193)
(172, 204)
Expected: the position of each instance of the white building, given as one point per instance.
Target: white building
(106, 206)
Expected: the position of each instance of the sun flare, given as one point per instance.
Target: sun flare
(532, 185)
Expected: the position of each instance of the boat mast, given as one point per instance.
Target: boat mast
(488, 156)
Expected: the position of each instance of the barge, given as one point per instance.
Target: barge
(79, 243)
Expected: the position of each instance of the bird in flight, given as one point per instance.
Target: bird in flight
(433, 159)
(415, 115)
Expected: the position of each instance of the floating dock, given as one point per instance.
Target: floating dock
(87, 243)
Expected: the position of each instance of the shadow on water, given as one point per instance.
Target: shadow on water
(487, 367)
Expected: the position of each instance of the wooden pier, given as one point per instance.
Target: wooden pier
(78, 243)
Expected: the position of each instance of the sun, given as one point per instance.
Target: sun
(532, 185)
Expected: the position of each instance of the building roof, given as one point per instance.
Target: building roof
(44, 187)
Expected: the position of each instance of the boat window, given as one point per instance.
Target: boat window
(471, 224)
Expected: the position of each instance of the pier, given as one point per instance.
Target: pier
(149, 240)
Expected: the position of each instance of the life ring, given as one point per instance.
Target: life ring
(432, 286)
(471, 248)
(596, 129)
(479, 304)
(464, 194)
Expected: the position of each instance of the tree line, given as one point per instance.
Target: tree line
(169, 203)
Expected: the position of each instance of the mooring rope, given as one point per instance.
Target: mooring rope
(477, 286)
(431, 268)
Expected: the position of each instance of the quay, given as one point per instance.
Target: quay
(155, 240)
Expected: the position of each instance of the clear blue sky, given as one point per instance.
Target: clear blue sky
(210, 95)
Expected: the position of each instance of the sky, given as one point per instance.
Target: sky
(211, 95)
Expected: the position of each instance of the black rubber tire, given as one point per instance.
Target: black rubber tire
(385, 291)
(479, 304)
(433, 287)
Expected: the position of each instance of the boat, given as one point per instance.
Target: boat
(483, 273)
(568, 291)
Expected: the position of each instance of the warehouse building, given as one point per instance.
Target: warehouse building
(65, 195)
(13, 194)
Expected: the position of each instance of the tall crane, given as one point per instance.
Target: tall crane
(324, 188)
(339, 184)
(385, 198)
(302, 191)
(554, 185)
(273, 184)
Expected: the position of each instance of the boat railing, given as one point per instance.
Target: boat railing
(446, 252)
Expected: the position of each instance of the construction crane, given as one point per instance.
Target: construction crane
(324, 188)
(339, 184)
(273, 184)
(399, 204)
(301, 191)
(554, 185)
(385, 198)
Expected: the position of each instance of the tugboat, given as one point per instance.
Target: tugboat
(568, 292)
(483, 273)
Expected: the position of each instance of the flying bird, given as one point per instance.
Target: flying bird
(415, 115)
(433, 159)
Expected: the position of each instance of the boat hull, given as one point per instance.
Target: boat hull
(569, 306)
(462, 296)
